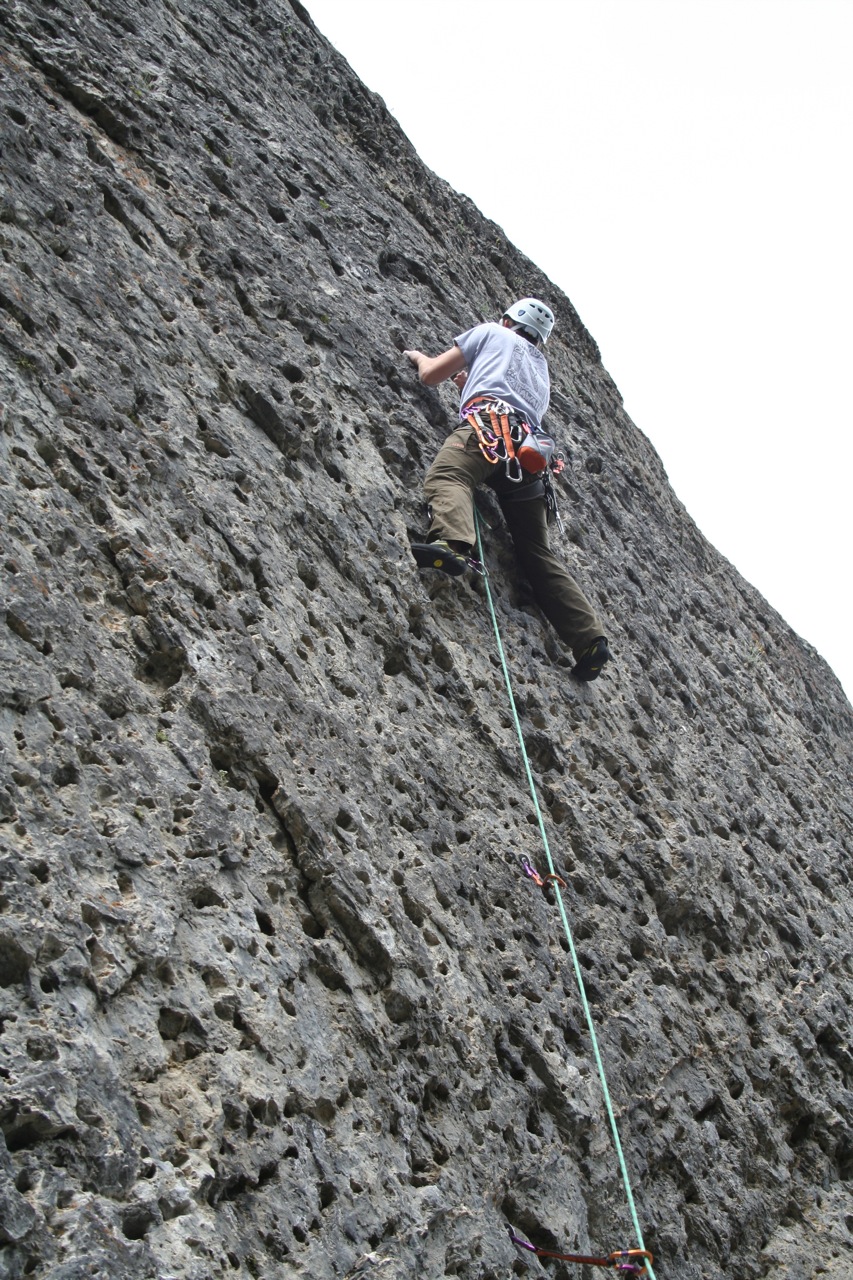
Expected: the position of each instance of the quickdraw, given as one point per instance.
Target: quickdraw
(629, 1261)
(553, 511)
(545, 883)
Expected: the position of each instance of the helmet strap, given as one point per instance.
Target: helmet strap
(524, 332)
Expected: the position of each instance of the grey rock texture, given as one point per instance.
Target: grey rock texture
(276, 998)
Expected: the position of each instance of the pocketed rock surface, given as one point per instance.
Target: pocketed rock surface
(276, 997)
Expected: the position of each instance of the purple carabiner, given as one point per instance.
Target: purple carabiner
(522, 1244)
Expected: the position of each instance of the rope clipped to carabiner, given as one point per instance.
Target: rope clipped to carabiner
(628, 1261)
(546, 883)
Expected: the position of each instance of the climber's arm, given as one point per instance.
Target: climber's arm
(435, 369)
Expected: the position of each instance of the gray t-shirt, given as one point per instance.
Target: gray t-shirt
(502, 364)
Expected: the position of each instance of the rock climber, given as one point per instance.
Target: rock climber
(502, 376)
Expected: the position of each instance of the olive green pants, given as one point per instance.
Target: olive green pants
(449, 486)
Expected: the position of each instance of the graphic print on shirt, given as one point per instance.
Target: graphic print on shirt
(526, 375)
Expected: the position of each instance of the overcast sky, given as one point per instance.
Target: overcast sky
(682, 170)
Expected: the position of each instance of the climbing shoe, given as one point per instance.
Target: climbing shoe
(592, 659)
(438, 555)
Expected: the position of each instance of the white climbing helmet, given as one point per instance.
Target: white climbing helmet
(532, 314)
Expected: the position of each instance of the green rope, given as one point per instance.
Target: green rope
(578, 974)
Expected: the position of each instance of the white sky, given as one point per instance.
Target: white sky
(682, 170)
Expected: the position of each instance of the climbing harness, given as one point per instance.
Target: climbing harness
(504, 436)
(507, 438)
(631, 1261)
(554, 882)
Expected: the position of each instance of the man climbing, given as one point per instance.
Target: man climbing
(502, 375)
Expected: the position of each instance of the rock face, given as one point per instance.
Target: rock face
(276, 997)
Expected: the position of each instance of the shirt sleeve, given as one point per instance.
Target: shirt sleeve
(471, 341)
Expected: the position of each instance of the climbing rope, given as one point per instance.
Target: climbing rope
(553, 882)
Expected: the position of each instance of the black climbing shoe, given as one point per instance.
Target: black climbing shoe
(438, 555)
(592, 659)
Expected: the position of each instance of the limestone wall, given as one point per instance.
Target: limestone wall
(276, 998)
